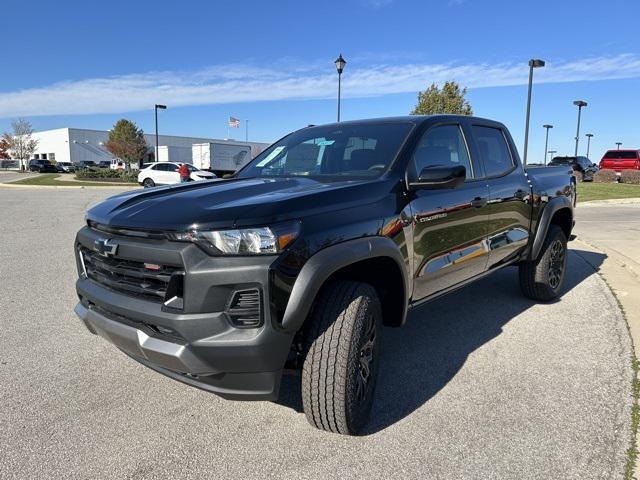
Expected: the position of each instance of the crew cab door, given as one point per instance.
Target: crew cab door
(509, 193)
(449, 225)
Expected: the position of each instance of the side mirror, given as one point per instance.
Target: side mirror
(436, 177)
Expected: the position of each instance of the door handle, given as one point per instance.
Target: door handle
(479, 202)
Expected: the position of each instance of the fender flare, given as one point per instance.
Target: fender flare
(554, 205)
(328, 261)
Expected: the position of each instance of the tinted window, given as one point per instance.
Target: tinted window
(349, 150)
(171, 167)
(584, 162)
(561, 160)
(494, 151)
(620, 154)
(442, 146)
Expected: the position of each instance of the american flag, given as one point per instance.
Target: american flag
(234, 122)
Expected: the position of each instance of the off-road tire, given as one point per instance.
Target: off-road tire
(148, 183)
(344, 334)
(542, 278)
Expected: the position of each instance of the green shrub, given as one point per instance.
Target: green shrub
(605, 176)
(630, 176)
(106, 175)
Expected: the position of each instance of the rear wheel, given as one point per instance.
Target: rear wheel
(148, 183)
(542, 279)
(341, 366)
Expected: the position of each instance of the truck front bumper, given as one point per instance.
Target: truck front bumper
(198, 343)
(178, 360)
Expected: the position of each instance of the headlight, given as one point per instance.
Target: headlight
(245, 241)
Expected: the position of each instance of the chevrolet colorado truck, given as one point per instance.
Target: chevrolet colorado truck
(300, 258)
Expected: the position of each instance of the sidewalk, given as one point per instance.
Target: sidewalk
(613, 228)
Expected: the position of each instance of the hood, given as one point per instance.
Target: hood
(234, 202)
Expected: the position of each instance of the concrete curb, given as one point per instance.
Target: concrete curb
(624, 284)
(613, 201)
(124, 187)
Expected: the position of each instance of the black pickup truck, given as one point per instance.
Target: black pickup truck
(299, 259)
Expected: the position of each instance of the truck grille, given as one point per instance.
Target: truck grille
(139, 279)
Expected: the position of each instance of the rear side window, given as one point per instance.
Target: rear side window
(494, 151)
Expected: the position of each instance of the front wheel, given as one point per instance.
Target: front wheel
(542, 278)
(148, 183)
(341, 366)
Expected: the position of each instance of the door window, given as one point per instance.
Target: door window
(442, 146)
(494, 151)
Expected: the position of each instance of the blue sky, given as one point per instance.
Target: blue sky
(87, 64)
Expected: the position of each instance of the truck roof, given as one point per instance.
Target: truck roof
(415, 119)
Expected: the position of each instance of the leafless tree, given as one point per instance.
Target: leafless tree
(21, 143)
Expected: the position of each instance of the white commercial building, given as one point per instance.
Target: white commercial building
(79, 144)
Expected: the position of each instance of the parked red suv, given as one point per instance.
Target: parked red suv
(619, 160)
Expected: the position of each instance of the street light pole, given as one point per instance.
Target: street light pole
(618, 144)
(340, 63)
(546, 141)
(155, 109)
(588, 135)
(579, 104)
(246, 131)
(533, 63)
(551, 152)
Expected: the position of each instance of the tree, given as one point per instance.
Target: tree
(126, 142)
(4, 149)
(448, 100)
(20, 141)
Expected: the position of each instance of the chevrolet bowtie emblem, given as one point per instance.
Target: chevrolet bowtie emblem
(105, 247)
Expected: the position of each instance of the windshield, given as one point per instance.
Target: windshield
(344, 151)
(561, 160)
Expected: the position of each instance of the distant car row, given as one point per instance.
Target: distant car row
(617, 160)
(45, 166)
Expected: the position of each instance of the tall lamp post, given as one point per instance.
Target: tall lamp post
(579, 104)
(340, 63)
(533, 63)
(546, 141)
(618, 144)
(588, 135)
(155, 109)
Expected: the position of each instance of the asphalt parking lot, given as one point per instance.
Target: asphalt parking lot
(480, 384)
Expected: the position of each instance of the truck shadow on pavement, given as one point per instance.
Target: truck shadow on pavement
(419, 359)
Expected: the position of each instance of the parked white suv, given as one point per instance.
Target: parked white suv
(166, 173)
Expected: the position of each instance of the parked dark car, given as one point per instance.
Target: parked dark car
(65, 167)
(104, 164)
(84, 164)
(298, 260)
(581, 165)
(42, 166)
